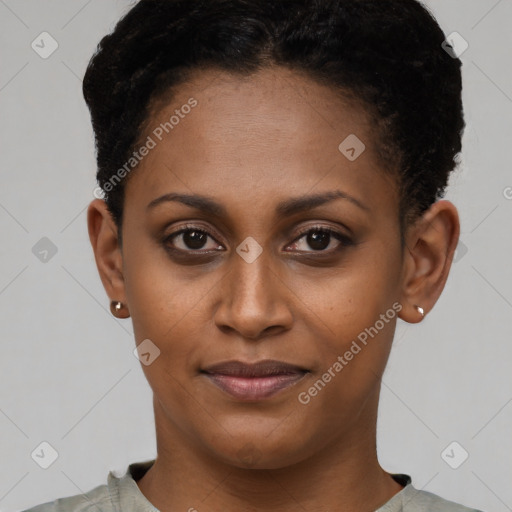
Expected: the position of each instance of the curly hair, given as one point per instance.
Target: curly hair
(384, 54)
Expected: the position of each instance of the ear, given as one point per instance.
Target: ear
(107, 251)
(429, 249)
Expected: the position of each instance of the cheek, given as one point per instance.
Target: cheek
(356, 314)
(358, 320)
(162, 297)
(351, 300)
(172, 306)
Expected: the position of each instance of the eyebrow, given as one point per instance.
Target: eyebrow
(285, 208)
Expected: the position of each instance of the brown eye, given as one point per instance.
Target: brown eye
(191, 239)
(194, 239)
(319, 239)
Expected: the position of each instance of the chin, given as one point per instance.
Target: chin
(261, 452)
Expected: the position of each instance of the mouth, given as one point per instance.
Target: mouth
(252, 382)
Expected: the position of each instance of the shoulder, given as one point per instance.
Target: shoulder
(95, 500)
(414, 500)
(120, 493)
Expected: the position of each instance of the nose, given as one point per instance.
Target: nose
(255, 302)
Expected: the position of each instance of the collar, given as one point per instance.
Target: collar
(126, 495)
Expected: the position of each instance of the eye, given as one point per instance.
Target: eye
(191, 238)
(319, 239)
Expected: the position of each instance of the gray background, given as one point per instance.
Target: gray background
(69, 376)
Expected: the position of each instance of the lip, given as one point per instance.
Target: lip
(254, 381)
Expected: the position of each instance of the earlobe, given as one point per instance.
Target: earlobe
(107, 252)
(429, 250)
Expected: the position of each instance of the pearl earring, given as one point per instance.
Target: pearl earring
(420, 310)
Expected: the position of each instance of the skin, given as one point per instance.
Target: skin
(249, 144)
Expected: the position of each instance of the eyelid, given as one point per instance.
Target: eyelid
(318, 227)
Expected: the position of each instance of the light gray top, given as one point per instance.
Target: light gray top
(122, 494)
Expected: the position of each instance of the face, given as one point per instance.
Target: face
(276, 246)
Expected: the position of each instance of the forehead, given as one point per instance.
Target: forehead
(261, 138)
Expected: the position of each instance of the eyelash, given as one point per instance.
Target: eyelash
(344, 240)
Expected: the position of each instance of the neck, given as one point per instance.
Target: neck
(345, 475)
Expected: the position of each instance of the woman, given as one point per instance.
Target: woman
(272, 176)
